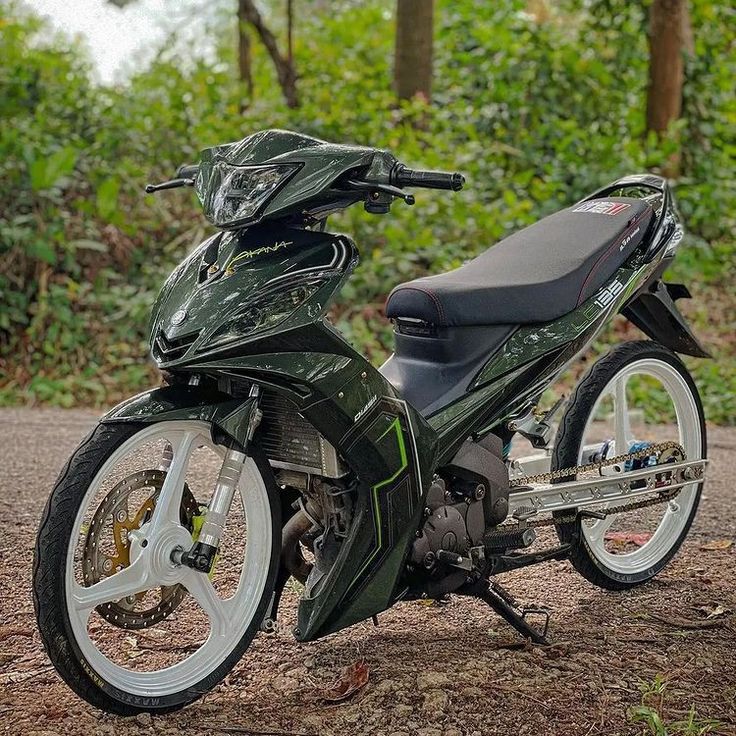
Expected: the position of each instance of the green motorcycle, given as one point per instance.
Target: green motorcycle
(276, 459)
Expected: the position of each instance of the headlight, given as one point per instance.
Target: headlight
(266, 311)
(232, 196)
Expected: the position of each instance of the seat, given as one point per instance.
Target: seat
(535, 275)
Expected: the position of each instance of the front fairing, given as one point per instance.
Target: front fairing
(287, 277)
(317, 165)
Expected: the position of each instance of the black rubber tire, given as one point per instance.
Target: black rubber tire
(567, 448)
(49, 566)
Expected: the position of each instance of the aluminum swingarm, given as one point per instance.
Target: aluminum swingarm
(622, 488)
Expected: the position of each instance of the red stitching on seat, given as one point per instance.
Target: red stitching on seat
(605, 255)
(427, 292)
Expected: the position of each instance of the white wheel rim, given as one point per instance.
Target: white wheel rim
(228, 618)
(676, 515)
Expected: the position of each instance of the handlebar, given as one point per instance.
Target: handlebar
(402, 176)
(187, 171)
(184, 178)
(171, 184)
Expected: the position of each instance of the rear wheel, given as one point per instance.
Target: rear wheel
(640, 393)
(127, 628)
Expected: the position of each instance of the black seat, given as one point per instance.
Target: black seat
(535, 275)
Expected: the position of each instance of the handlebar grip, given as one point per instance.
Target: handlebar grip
(404, 177)
(187, 171)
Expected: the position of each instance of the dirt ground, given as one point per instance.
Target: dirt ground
(434, 670)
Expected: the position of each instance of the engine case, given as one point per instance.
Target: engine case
(469, 497)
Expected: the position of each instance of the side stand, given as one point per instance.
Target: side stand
(270, 622)
(509, 609)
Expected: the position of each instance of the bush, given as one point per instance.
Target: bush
(536, 113)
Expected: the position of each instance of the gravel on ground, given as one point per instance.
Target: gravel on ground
(435, 670)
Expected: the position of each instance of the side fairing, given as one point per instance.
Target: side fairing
(529, 360)
(384, 440)
(389, 445)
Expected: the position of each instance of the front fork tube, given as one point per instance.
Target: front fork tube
(222, 498)
(201, 556)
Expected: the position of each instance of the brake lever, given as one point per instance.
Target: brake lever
(171, 184)
(365, 186)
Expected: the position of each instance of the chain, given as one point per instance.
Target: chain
(655, 449)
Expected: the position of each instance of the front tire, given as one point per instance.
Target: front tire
(608, 376)
(64, 605)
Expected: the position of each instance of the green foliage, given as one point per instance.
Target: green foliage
(649, 714)
(535, 113)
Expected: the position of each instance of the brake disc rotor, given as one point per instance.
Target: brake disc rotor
(115, 515)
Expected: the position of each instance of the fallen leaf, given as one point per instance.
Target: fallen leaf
(621, 539)
(351, 679)
(13, 678)
(714, 611)
(7, 631)
(717, 545)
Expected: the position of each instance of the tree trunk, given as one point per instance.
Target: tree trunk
(413, 55)
(285, 69)
(668, 20)
(244, 53)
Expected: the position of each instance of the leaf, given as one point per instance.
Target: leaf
(621, 539)
(107, 198)
(716, 545)
(46, 171)
(85, 244)
(714, 610)
(351, 679)
(43, 251)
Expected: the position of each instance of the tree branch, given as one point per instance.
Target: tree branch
(285, 70)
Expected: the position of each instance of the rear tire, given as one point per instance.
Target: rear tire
(50, 583)
(567, 450)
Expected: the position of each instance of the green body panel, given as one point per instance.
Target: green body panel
(212, 291)
(335, 388)
(353, 406)
(532, 357)
(192, 403)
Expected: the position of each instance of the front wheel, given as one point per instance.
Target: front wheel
(127, 628)
(637, 395)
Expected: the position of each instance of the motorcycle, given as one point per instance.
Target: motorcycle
(276, 457)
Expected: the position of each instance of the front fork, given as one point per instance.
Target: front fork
(201, 556)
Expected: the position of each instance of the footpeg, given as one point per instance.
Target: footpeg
(454, 559)
(514, 539)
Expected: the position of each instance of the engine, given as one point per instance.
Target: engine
(455, 523)
(467, 499)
